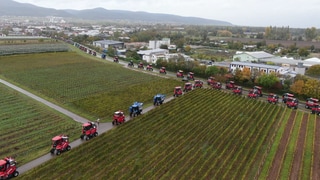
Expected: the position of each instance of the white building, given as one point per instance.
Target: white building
(157, 43)
(151, 56)
(251, 56)
(259, 67)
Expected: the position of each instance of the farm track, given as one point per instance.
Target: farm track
(277, 161)
(298, 154)
(316, 157)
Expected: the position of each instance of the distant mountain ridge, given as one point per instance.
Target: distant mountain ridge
(13, 8)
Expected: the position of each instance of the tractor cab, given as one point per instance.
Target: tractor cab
(258, 90)
(140, 65)
(230, 85)
(190, 76)
(135, 109)
(237, 90)
(163, 70)
(210, 80)
(292, 102)
(187, 87)
(149, 67)
(60, 144)
(116, 59)
(198, 84)
(158, 99)
(285, 96)
(177, 91)
(217, 85)
(118, 118)
(273, 98)
(8, 168)
(89, 130)
(180, 74)
(311, 103)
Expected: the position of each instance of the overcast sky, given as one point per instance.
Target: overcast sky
(292, 13)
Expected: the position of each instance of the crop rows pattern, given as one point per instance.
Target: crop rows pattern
(27, 127)
(89, 87)
(204, 134)
(32, 48)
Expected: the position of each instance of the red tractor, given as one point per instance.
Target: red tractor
(177, 91)
(285, 96)
(273, 98)
(292, 102)
(237, 90)
(211, 80)
(89, 130)
(118, 118)
(190, 76)
(217, 85)
(8, 168)
(149, 67)
(198, 84)
(258, 90)
(316, 110)
(253, 94)
(60, 144)
(116, 59)
(187, 87)
(140, 65)
(311, 103)
(230, 85)
(163, 70)
(180, 74)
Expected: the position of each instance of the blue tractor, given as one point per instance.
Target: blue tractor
(135, 109)
(158, 99)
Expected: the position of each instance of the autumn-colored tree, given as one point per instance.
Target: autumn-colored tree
(297, 87)
(246, 74)
(312, 88)
(303, 52)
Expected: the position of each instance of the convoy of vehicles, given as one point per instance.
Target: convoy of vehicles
(89, 130)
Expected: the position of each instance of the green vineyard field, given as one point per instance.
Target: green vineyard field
(205, 134)
(27, 126)
(91, 88)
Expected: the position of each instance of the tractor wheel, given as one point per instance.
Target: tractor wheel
(52, 151)
(82, 136)
(313, 112)
(58, 152)
(307, 107)
(15, 174)
(87, 138)
(275, 102)
(68, 148)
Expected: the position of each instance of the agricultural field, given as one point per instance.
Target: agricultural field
(32, 48)
(90, 88)
(27, 126)
(205, 134)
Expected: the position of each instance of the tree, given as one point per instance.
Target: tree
(246, 75)
(212, 70)
(111, 51)
(314, 70)
(303, 52)
(311, 33)
(297, 87)
(311, 88)
(268, 80)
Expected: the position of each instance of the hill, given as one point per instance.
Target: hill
(12, 8)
